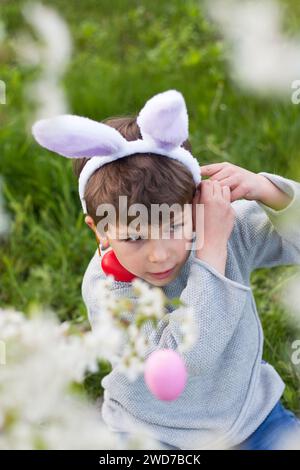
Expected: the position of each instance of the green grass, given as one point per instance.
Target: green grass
(124, 52)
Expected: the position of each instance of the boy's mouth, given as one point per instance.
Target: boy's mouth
(163, 274)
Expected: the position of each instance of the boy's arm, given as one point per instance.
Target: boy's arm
(267, 236)
(217, 305)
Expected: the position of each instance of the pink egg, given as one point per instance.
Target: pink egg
(165, 374)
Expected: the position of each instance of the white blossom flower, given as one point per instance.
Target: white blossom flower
(132, 366)
(52, 53)
(37, 410)
(189, 330)
(290, 297)
(262, 59)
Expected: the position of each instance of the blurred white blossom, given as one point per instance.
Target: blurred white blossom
(37, 408)
(52, 52)
(262, 58)
(45, 357)
(189, 330)
(152, 300)
(290, 297)
(138, 316)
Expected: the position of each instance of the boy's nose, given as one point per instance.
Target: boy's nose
(158, 251)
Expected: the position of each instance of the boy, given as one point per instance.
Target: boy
(232, 395)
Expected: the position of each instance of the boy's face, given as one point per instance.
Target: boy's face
(167, 249)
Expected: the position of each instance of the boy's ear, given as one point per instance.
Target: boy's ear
(90, 222)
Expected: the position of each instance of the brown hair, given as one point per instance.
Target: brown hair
(145, 178)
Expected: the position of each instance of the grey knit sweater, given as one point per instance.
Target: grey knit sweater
(230, 389)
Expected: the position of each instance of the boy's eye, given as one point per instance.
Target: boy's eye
(135, 239)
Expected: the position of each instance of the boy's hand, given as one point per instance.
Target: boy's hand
(242, 183)
(246, 184)
(214, 230)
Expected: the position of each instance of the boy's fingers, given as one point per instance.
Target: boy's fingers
(206, 189)
(217, 188)
(208, 170)
(226, 193)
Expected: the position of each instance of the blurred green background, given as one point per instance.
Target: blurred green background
(123, 53)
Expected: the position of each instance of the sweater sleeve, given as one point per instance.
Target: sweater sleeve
(269, 237)
(217, 304)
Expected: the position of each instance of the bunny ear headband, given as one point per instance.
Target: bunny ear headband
(163, 122)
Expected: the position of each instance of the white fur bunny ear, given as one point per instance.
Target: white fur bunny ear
(76, 136)
(164, 119)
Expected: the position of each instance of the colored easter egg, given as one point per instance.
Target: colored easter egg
(111, 265)
(165, 374)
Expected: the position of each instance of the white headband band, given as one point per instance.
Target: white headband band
(163, 123)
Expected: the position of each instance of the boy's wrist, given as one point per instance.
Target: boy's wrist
(216, 256)
(271, 196)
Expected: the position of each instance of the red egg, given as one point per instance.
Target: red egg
(165, 374)
(111, 265)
